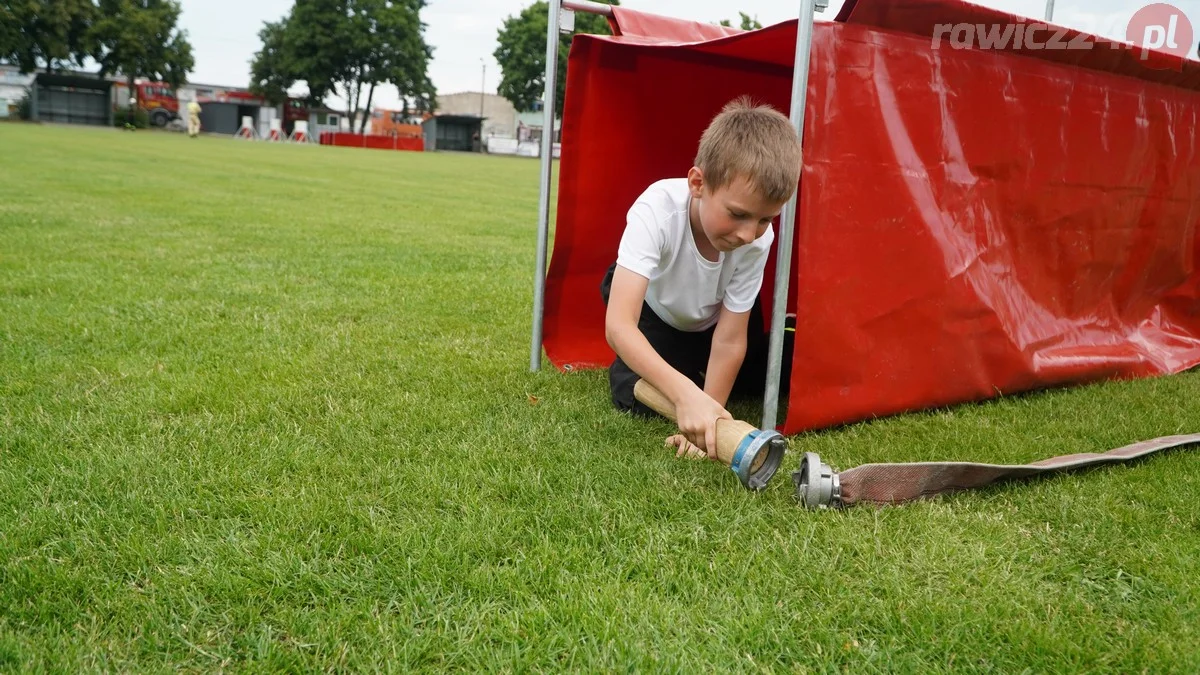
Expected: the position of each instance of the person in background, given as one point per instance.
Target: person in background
(193, 109)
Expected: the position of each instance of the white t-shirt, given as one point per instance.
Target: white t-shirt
(686, 290)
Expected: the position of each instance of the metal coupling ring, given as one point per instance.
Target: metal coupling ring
(758, 457)
(817, 484)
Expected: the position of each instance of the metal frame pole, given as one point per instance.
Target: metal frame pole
(539, 277)
(1049, 10)
(787, 223)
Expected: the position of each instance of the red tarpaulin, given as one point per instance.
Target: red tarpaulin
(970, 223)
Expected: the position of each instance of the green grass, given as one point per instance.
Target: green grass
(269, 408)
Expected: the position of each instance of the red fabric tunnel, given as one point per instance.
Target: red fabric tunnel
(971, 222)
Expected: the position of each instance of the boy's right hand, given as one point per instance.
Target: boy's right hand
(697, 413)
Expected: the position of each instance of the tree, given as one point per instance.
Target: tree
(139, 38)
(271, 72)
(748, 22)
(46, 33)
(346, 47)
(522, 53)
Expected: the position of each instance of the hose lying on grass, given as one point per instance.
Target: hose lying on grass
(819, 486)
(755, 455)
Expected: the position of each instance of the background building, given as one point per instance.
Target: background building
(12, 89)
(68, 98)
(500, 117)
(452, 132)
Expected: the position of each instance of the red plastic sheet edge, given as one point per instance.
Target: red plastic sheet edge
(922, 17)
(656, 29)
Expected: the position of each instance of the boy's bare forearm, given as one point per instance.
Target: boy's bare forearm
(724, 362)
(726, 354)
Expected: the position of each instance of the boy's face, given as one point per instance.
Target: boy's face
(734, 214)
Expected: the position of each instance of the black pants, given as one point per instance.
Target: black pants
(688, 353)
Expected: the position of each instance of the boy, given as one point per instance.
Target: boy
(683, 310)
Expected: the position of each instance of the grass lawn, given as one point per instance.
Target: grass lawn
(269, 408)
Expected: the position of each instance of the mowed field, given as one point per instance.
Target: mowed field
(269, 408)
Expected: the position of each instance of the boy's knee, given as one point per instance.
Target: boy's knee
(621, 380)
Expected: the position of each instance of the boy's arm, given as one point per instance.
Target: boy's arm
(729, 337)
(728, 352)
(696, 412)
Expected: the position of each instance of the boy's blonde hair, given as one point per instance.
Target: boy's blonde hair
(755, 142)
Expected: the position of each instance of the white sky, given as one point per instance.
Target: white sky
(224, 33)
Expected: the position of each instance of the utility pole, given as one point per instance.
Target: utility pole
(482, 84)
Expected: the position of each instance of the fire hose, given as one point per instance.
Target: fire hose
(755, 455)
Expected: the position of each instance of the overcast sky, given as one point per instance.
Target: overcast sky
(224, 33)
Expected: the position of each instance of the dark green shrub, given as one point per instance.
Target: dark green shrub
(141, 119)
(25, 107)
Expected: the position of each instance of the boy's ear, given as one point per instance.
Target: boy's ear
(695, 180)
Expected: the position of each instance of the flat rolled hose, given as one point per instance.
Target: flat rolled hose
(818, 486)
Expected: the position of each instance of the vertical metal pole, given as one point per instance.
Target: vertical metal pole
(1049, 10)
(539, 276)
(787, 222)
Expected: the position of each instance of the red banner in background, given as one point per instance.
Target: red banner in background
(349, 140)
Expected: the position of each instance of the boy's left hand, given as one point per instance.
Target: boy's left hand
(685, 447)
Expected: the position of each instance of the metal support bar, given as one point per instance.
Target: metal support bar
(1049, 10)
(539, 276)
(588, 7)
(787, 222)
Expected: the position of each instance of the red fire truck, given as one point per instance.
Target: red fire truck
(294, 109)
(156, 98)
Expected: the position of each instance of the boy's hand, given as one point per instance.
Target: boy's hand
(696, 414)
(685, 447)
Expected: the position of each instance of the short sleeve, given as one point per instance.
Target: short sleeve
(746, 282)
(642, 244)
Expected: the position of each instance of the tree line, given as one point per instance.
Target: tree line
(131, 38)
(345, 48)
